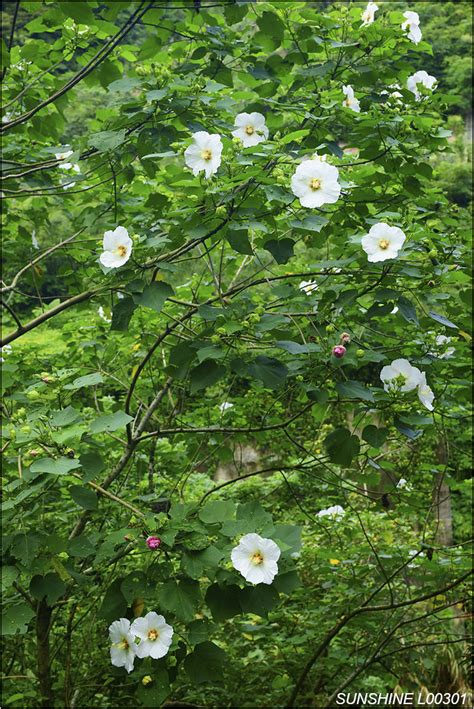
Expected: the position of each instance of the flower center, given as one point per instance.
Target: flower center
(123, 644)
(384, 244)
(153, 634)
(250, 130)
(122, 250)
(315, 184)
(206, 154)
(257, 558)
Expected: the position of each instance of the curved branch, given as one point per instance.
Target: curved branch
(365, 609)
(99, 57)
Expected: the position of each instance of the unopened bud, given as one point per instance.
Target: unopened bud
(153, 542)
(339, 351)
(345, 338)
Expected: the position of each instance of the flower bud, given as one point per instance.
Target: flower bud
(146, 680)
(339, 351)
(360, 353)
(153, 542)
(345, 338)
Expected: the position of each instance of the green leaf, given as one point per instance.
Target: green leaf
(81, 547)
(259, 600)
(84, 497)
(9, 575)
(238, 238)
(107, 140)
(407, 309)
(180, 598)
(87, 380)
(290, 535)
(442, 319)
(16, 619)
(342, 446)
(270, 371)
(199, 563)
(110, 422)
(295, 135)
(65, 416)
(60, 466)
(223, 602)
(154, 295)
(205, 374)
(374, 436)
(92, 464)
(114, 605)
(50, 587)
(218, 511)
(122, 313)
(157, 691)
(79, 11)
(287, 583)
(354, 390)
(5, 55)
(271, 25)
(205, 663)
(281, 249)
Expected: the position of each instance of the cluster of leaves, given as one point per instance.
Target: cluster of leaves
(114, 424)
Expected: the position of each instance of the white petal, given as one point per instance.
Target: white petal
(140, 628)
(270, 570)
(242, 120)
(118, 629)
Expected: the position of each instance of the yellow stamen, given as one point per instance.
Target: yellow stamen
(315, 184)
(153, 634)
(257, 558)
(123, 644)
(384, 244)
(122, 250)
(206, 154)
(250, 130)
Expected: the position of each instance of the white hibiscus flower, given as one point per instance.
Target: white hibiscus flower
(204, 153)
(63, 165)
(350, 101)
(442, 341)
(400, 375)
(225, 406)
(382, 242)
(117, 247)
(308, 287)
(335, 512)
(102, 315)
(122, 651)
(420, 77)
(315, 183)
(256, 558)
(155, 636)
(368, 15)
(250, 128)
(412, 24)
(425, 393)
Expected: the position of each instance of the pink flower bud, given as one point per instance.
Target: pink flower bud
(345, 338)
(339, 351)
(153, 542)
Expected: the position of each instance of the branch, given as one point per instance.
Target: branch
(12, 32)
(364, 609)
(86, 70)
(47, 315)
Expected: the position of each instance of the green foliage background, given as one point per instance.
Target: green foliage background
(113, 381)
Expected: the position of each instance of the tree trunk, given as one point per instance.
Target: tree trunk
(442, 501)
(43, 620)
